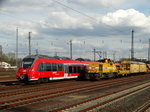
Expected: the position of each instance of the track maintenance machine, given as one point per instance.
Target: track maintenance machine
(102, 69)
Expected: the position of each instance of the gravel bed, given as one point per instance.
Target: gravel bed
(58, 102)
(128, 104)
(103, 99)
(87, 94)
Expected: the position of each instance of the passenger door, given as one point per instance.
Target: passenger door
(40, 70)
(66, 70)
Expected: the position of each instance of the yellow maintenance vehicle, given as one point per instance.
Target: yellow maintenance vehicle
(132, 67)
(106, 69)
(102, 69)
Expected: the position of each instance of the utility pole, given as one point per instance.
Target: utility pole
(114, 55)
(104, 54)
(36, 52)
(94, 51)
(71, 49)
(16, 47)
(149, 51)
(1, 52)
(132, 46)
(29, 43)
(56, 54)
(99, 53)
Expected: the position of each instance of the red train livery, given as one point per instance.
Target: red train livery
(42, 69)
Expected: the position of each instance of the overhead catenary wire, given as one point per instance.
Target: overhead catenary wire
(73, 9)
(92, 18)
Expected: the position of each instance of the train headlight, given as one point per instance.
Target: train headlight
(22, 77)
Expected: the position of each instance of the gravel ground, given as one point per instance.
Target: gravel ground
(129, 104)
(148, 110)
(4, 75)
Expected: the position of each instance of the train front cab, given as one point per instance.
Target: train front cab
(24, 69)
(103, 69)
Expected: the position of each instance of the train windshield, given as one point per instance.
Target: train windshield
(27, 62)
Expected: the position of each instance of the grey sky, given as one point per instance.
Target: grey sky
(102, 24)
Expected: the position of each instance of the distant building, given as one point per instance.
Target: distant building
(4, 65)
(1, 50)
(1, 53)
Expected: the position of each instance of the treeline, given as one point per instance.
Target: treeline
(9, 58)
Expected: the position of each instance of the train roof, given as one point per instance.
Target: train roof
(38, 56)
(133, 62)
(55, 60)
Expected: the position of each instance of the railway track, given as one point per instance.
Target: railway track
(144, 107)
(11, 84)
(101, 101)
(57, 85)
(13, 89)
(13, 100)
(38, 88)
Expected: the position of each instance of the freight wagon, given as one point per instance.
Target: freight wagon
(132, 67)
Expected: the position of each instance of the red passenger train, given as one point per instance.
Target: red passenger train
(41, 68)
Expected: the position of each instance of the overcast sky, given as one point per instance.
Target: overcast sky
(105, 25)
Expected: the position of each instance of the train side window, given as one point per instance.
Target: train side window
(100, 67)
(70, 69)
(48, 67)
(54, 67)
(60, 67)
(82, 68)
(127, 67)
(66, 69)
(40, 67)
(118, 67)
(78, 69)
(74, 69)
(44, 67)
